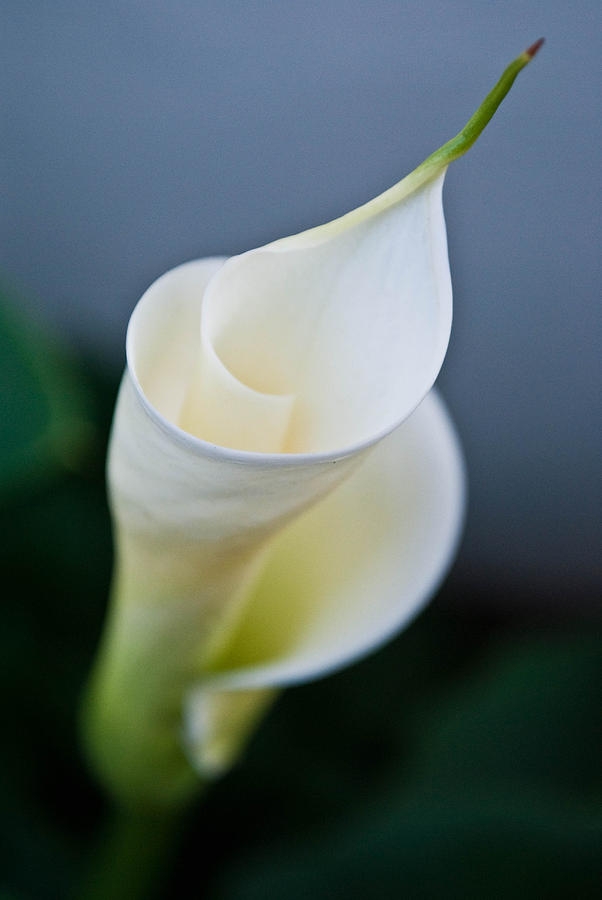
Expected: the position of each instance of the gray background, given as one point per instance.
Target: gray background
(142, 133)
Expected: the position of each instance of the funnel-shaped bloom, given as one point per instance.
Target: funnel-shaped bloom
(285, 490)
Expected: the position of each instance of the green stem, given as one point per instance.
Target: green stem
(133, 855)
(433, 166)
(465, 138)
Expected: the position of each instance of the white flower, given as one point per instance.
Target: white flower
(286, 492)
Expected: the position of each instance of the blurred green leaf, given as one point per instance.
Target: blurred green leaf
(55, 556)
(495, 795)
(526, 715)
(45, 423)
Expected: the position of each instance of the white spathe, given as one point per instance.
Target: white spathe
(286, 492)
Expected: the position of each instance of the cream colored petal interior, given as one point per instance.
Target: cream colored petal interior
(184, 380)
(163, 335)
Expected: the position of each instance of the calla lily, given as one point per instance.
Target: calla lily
(287, 491)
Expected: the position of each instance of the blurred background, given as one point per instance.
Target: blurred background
(462, 761)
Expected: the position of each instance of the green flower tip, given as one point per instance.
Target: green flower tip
(465, 138)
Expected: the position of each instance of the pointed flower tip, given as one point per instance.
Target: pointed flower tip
(534, 48)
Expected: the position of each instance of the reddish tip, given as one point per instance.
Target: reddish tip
(532, 50)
